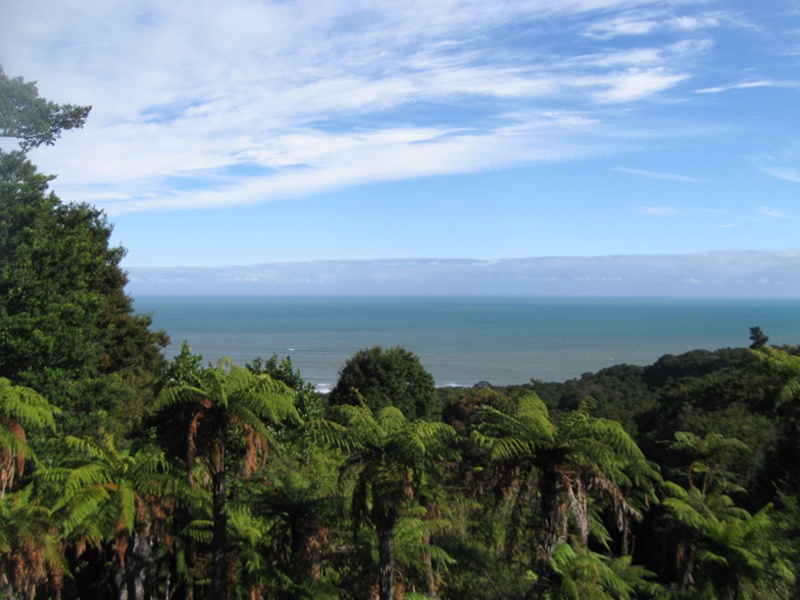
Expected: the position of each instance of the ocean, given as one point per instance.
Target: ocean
(463, 341)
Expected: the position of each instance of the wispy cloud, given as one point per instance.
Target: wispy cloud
(649, 20)
(785, 173)
(659, 175)
(671, 211)
(776, 213)
(308, 96)
(746, 85)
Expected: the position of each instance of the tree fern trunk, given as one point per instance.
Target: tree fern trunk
(219, 571)
(427, 560)
(553, 528)
(317, 540)
(385, 529)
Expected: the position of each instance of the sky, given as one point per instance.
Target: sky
(603, 146)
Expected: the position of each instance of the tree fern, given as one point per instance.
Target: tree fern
(392, 460)
(20, 407)
(583, 466)
(220, 400)
(30, 548)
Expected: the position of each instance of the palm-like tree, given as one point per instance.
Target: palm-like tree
(583, 574)
(30, 547)
(20, 407)
(580, 458)
(110, 495)
(722, 550)
(300, 493)
(785, 363)
(711, 457)
(393, 460)
(788, 398)
(226, 403)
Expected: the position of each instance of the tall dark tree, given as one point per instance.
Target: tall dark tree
(758, 338)
(388, 377)
(66, 322)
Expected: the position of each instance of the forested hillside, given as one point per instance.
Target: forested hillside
(127, 474)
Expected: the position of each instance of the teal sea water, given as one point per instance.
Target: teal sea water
(462, 341)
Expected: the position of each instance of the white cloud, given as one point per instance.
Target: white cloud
(636, 84)
(660, 211)
(671, 211)
(772, 212)
(643, 22)
(746, 85)
(659, 175)
(313, 96)
(787, 174)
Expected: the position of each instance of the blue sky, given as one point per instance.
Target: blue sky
(291, 132)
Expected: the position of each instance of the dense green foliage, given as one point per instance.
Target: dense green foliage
(125, 476)
(67, 327)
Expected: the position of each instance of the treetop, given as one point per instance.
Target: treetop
(33, 120)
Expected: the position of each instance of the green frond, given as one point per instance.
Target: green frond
(244, 526)
(586, 574)
(333, 435)
(226, 364)
(390, 419)
(268, 402)
(15, 445)
(199, 530)
(514, 436)
(126, 506)
(247, 419)
(419, 441)
(178, 394)
(511, 448)
(789, 392)
(707, 556)
(778, 360)
(530, 419)
(149, 462)
(83, 507)
(57, 475)
(361, 422)
(214, 383)
(530, 404)
(91, 474)
(685, 440)
(587, 404)
(410, 447)
(87, 446)
(686, 513)
(485, 430)
(597, 528)
(786, 364)
(25, 406)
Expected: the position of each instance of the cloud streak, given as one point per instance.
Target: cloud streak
(659, 175)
